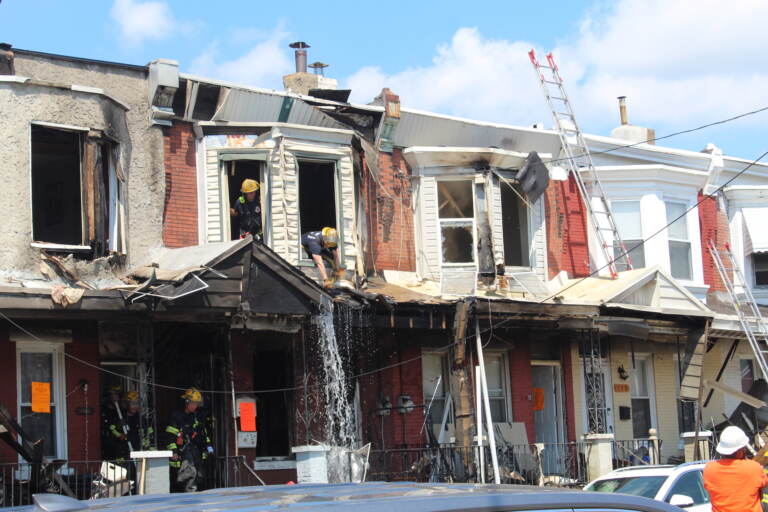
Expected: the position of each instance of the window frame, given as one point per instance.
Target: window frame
(755, 271)
(503, 356)
(427, 393)
(58, 393)
(650, 384)
(689, 239)
(472, 221)
(624, 240)
(264, 194)
(681, 403)
(527, 216)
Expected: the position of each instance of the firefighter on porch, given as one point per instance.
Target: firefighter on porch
(140, 432)
(112, 436)
(247, 209)
(323, 246)
(189, 441)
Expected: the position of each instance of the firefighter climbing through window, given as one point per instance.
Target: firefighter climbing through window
(112, 437)
(247, 209)
(189, 441)
(323, 246)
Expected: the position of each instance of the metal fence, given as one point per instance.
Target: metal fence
(552, 464)
(79, 479)
(636, 452)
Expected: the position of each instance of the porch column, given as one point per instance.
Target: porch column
(152, 470)
(599, 455)
(689, 444)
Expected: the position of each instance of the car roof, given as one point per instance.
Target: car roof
(376, 496)
(655, 470)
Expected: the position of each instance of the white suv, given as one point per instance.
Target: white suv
(681, 485)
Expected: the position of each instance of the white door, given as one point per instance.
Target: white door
(548, 415)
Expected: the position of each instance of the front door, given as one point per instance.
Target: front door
(548, 415)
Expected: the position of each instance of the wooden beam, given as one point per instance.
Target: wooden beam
(728, 390)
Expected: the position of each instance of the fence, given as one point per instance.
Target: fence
(555, 464)
(636, 452)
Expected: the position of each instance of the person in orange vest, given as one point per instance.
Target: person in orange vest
(734, 483)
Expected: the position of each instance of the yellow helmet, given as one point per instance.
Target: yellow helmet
(249, 185)
(330, 237)
(193, 395)
(115, 389)
(131, 396)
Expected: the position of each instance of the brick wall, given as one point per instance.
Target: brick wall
(7, 386)
(180, 212)
(83, 431)
(388, 201)
(713, 223)
(521, 379)
(567, 244)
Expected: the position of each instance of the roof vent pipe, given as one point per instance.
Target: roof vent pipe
(623, 110)
(300, 55)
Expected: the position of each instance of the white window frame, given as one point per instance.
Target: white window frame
(686, 205)
(650, 384)
(445, 382)
(503, 355)
(323, 159)
(639, 203)
(457, 221)
(58, 394)
(264, 197)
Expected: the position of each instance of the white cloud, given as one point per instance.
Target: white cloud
(678, 62)
(262, 65)
(142, 21)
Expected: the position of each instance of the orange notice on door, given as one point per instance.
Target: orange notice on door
(538, 399)
(41, 397)
(247, 417)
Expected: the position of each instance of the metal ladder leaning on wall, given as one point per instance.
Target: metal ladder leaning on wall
(576, 152)
(746, 308)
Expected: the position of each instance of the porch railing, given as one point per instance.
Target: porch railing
(636, 452)
(552, 464)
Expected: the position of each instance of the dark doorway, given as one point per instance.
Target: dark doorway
(57, 212)
(515, 227)
(237, 171)
(272, 370)
(317, 195)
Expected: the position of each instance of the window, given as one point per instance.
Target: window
(690, 484)
(686, 409)
(679, 242)
(456, 211)
(495, 374)
(642, 410)
(514, 218)
(238, 171)
(747, 368)
(38, 363)
(434, 383)
(317, 195)
(627, 217)
(75, 190)
(760, 264)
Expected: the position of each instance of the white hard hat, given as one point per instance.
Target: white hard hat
(731, 440)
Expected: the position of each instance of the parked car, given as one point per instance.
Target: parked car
(681, 485)
(371, 497)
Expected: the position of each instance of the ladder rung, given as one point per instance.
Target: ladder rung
(550, 82)
(564, 114)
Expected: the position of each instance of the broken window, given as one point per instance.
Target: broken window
(514, 218)
(317, 195)
(237, 172)
(434, 384)
(628, 222)
(456, 212)
(76, 194)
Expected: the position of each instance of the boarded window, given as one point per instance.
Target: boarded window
(514, 217)
(457, 221)
(317, 195)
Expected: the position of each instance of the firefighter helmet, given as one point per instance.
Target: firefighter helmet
(330, 237)
(249, 185)
(115, 389)
(131, 396)
(193, 395)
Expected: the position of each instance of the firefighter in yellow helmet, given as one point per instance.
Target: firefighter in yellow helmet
(323, 246)
(189, 441)
(247, 210)
(113, 441)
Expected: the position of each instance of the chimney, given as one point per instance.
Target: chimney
(319, 68)
(300, 54)
(628, 132)
(6, 60)
(623, 110)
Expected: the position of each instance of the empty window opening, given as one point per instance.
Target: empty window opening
(57, 212)
(272, 369)
(456, 211)
(760, 264)
(514, 218)
(317, 195)
(237, 172)
(207, 99)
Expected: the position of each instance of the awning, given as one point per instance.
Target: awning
(754, 228)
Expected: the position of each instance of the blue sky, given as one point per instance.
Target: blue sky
(680, 63)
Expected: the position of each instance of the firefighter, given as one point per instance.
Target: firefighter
(113, 440)
(247, 209)
(139, 430)
(324, 245)
(188, 440)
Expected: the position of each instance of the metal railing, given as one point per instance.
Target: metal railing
(81, 479)
(551, 464)
(636, 452)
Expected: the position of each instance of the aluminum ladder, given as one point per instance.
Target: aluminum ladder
(744, 303)
(580, 164)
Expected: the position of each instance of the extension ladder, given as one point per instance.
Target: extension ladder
(744, 303)
(580, 165)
